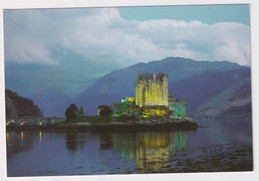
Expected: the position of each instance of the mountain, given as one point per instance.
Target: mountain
(217, 94)
(203, 83)
(48, 99)
(17, 106)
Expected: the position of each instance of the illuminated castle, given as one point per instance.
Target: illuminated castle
(152, 90)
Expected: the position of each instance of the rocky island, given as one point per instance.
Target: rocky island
(111, 124)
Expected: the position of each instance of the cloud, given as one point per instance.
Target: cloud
(221, 41)
(32, 35)
(232, 43)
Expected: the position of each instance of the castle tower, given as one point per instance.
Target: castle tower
(152, 90)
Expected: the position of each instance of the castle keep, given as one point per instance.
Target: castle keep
(152, 90)
(151, 99)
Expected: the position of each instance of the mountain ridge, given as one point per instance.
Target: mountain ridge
(48, 99)
(120, 83)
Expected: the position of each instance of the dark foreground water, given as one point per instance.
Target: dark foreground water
(226, 146)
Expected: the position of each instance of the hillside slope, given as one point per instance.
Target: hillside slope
(217, 94)
(17, 106)
(48, 99)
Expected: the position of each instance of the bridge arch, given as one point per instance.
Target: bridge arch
(8, 123)
(22, 123)
(40, 123)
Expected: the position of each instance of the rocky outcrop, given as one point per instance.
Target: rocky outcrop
(10, 108)
(18, 106)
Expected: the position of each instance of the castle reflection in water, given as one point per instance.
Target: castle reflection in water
(150, 152)
(153, 151)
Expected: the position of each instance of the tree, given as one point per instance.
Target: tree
(71, 112)
(105, 110)
(81, 111)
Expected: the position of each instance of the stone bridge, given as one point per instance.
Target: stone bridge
(36, 121)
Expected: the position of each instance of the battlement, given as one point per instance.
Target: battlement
(152, 90)
(152, 77)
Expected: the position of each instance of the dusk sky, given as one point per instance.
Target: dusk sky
(68, 48)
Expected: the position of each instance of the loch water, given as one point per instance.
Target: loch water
(217, 146)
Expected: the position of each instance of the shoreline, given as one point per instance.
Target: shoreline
(148, 124)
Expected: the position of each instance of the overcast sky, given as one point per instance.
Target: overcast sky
(68, 47)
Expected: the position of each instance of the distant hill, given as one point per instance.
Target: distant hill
(17, 106)
(205, 84)
(49, 99)
(217, 94)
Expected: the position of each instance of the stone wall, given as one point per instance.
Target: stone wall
(152, 91)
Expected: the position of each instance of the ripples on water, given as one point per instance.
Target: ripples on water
(225, 146)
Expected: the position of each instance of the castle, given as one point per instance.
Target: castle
(151, 99)
(152, 90)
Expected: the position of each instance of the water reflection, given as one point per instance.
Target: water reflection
(152, 151)
(180, 140)
(71, 141)
(40, 136)
(19, 141)
(65, 153)
(75, 140)
(7, 137)
(22, 136)
(105, 142)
